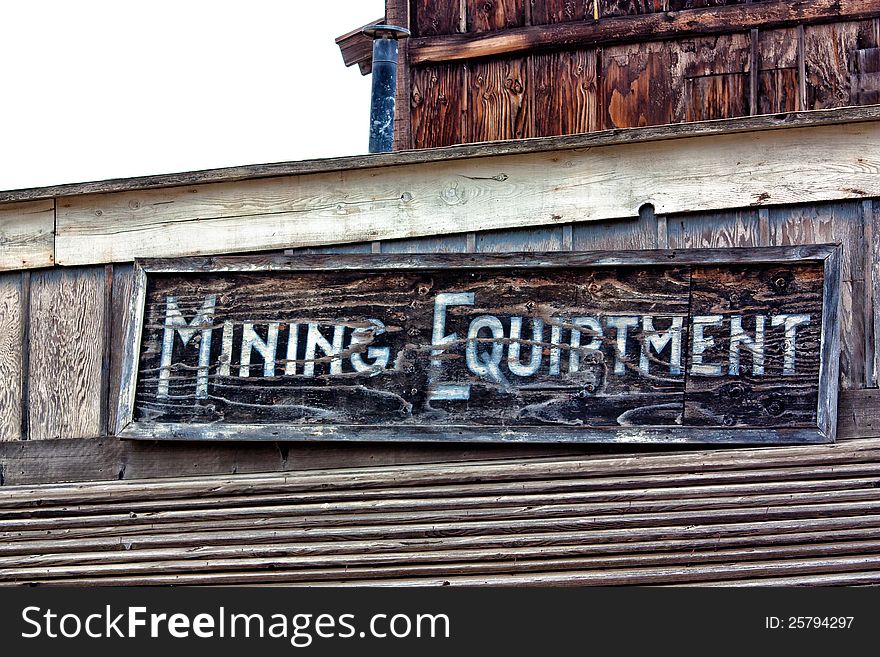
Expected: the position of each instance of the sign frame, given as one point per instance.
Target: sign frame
(826, 413)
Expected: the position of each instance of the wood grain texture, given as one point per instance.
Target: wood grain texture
(433, 17)
(778, 84)
(635, 28)
(504, 191)
(498, 101)
(489, 15)
(832, 60)
(544, 12)
(566, 92)
(27, 232)
(738, 228)
(609, 8)
(436, 105)
(661, 82)
(11, 366)
(66, 338)
(373, 161)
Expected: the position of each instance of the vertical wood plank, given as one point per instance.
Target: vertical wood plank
(442, 244)
(636, 233)
(545, 12)
(831, 56)
(874, 263)
(121, 291)
(11, 334)
(66, 336)
(778, 79)
(434, 17)
(397, 12)
(497, 100)
(566, 83)
(489, 15)
(737, 228)
(436, 106)
(523, 240)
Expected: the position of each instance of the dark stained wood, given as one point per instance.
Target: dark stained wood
(566, 92)
(489, 15)
(66, 340)
(434, 17)
(609, 8)
(778, 83)
(545, 12)
(834, 54)
(622, 387)
(436, 106)
(625, 29)
(866, 77)
(498, 101)
(747, 398)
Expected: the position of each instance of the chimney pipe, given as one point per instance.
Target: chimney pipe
(384, 84)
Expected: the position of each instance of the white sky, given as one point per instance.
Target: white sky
(94, 89)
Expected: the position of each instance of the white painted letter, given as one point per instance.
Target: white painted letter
(513, 350)
(292, 345)
(175, 323)
(574, 354)
(380, 355)
(739, 338)
(701, 342)
(439, 338)
(487, 364)
(791, 323)
(250, 341)
(622, 325)
(315, 340)
(658, 340)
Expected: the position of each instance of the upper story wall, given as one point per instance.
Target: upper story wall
(512, 69)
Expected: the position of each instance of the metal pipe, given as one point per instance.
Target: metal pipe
(384, 84)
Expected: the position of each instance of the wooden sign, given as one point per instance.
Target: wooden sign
(710, 346)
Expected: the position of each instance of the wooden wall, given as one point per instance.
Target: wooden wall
(556, 90)
(61, 333)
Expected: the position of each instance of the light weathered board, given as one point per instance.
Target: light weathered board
(66, 348)
(253, 357)
(438, 198)
(27, 232)
(11, 343)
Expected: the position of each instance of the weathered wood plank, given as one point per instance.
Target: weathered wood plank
(832, 59)
(66, 338)
(738, 228)
(433, 17)
(778, 86)
(436, 105)
(566, 84)
(546, 12)
(489, 15)
(444, 197)
(11, 342)
(498, 100)
(462, 151)
(27, 232)
(627, 29)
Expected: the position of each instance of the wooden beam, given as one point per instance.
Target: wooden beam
(505, 191)
(626, 29)
(27, 232)
(603, 138)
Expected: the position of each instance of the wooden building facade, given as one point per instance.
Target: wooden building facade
(656, 127)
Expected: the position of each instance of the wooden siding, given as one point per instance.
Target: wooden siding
(558, 68)
(492, 192)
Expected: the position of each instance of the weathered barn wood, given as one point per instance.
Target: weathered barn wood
(410, 380)
(66, 345)
(445, 197)
(11, 347)
(27, 232)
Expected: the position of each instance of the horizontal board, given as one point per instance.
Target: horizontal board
(500, 347)
(502, 191)
(27, 235)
